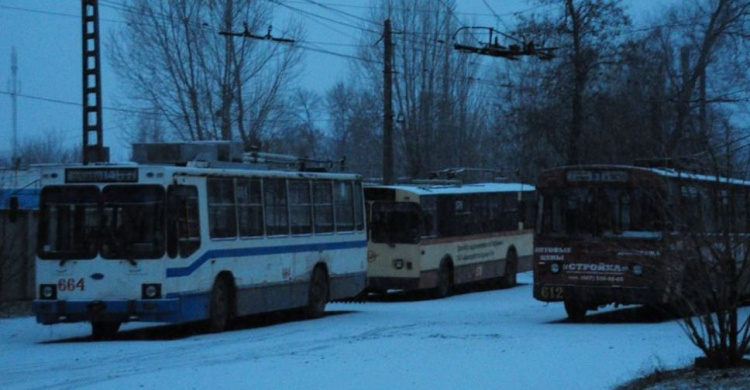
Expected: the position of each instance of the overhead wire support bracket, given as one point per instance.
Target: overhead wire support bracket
(495, 49)
(247, 34)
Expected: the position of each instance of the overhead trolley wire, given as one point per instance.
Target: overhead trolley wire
(314, 15)
(325, 6)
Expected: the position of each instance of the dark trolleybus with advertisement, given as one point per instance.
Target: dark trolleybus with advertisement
(609, 234)
(434, 236)
(180, 243)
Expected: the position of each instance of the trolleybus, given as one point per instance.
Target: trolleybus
(435, 236)
(120, 243)
(610, 234)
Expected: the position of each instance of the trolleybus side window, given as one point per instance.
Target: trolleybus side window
(277, 219)
(344, 203)
(249, 207)
(132, 222)
(429, 216)
(221, 210)
(623, 211)
(511, 212)
(690, 203)
(359, 216)
(740, 210)
(69, 222)
(183, 222)
(527, 210)
(463, 215)
(646, 215)
(300, 207)
(323, 206)
(495, 218)
(446, 221)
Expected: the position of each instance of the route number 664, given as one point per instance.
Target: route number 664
(71, 284)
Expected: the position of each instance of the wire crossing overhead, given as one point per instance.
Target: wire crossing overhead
(247, 34)
(495, 49)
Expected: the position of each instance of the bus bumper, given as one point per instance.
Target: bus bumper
(347, 286)
(600, 295)
(56, 311)
(388, 283)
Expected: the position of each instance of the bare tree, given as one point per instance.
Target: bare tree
(587, 35)
(204, 85)
(707, 33)
(712, 255)
(437, 104)
(50, 147)
(356, 125)
(299, 131)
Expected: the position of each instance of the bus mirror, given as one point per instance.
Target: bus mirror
(13, 209)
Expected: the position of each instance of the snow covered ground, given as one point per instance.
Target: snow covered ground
(482, 340)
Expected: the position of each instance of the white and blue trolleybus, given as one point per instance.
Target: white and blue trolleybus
(119, 243)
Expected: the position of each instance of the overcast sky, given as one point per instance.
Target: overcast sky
(47, 38)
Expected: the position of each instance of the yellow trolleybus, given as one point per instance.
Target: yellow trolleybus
(435, 236)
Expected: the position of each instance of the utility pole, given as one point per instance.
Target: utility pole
(14, 90)
(702, 113)
(388, 105)
(93, 143)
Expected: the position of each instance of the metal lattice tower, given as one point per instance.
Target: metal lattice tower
(93, 144)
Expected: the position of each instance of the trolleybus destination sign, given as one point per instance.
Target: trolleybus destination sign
(101, 175)
(597, 176)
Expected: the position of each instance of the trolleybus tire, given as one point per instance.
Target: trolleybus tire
(104, 330)
(575, 310)
(318, 294)
(445, 280)
(509, 278)
(220, 311)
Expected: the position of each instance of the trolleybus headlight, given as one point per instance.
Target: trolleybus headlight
(398, 263)
(554, 268)
(637, 270)
(151, 291)
(48, 291)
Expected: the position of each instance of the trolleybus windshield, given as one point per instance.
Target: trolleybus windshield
(395, 223)
(599, 211)
(119, 222)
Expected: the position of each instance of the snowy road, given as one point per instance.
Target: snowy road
(482, 340)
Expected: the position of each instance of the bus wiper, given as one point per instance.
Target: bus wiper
(63, 261)
(132, 262)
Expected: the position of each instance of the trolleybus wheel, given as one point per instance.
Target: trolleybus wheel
(219, 314)
(104, 330)
(575, 309)
(509, 278)
(318, 294)
(445, 280)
